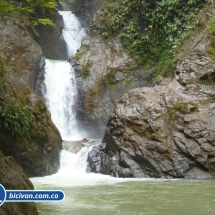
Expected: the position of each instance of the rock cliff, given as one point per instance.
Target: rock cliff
(22, 58)
(104, 72)
(51, 40)
(166, 131)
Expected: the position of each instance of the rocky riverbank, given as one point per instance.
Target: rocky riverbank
(166, 131)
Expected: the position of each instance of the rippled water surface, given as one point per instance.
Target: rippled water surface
(147, 197)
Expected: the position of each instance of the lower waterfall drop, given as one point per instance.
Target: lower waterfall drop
(60, 97)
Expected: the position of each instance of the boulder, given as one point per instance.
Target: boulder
(12, 177)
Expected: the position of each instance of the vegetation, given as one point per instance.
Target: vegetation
(18, 120)
(185, 108)
(89, 103)
(29, 8)
(152, 31)
(108, 80)
(211, 46)
(78, 55)
(85, 71)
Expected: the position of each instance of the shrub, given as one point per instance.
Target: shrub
(18, 120)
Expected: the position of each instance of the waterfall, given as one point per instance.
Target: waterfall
(72, 33)
(60, 96)
(60, 83)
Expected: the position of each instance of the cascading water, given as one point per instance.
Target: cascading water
(72, 32)
(60, 82)
(60, 97)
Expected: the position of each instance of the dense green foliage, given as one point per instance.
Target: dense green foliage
(18, 120)
(152, 31)
(29, 8)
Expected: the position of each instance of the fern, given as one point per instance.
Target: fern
(17, 120)
(43, 21)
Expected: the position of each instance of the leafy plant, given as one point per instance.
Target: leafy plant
(85, 71)
(41, 131)
(29, 8)
(18, 120)
(108, 80)
(144, 127)
(78, 55)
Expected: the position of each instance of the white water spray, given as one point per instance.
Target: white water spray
(60, 98)
(60, 82)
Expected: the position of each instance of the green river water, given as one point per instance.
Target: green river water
(154, 197)
(95, 194)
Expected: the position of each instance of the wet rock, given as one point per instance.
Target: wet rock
(51, 40)
(196, 172)
(85, 10)
(85, 140)
(22, 53)
(96, 158)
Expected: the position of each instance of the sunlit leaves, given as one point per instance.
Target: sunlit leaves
(43, 21)
(28, 8)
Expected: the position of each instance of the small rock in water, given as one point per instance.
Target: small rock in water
(84, 140)
(77, 148)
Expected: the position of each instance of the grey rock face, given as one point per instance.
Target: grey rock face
(51, 40)
(167, 131)
(111, 73)
(85, 9)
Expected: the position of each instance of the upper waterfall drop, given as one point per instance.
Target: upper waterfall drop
(60, 83)
(72, 32)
